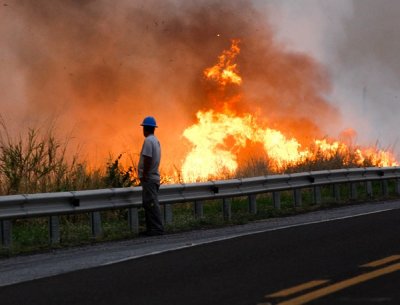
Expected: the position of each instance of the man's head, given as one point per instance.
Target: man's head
(149, 124)
(148, 130)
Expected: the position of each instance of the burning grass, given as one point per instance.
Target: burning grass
(40, 162)
(318, 160)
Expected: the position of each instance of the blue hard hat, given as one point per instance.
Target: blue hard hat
(149, 121)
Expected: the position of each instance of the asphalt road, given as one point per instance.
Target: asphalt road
(347, 261)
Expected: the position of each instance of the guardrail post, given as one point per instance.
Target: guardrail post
(54, 230)
(5, 233)
(336, 192)
(276, 199)
(133, 219)
(198, 209)
(252, 204)
(167, 213)
(385, 188)
(297, 197)
(353, 191)
(368, 187)
(95, 221)
(227, 208)
(317, 195)
(397, 186)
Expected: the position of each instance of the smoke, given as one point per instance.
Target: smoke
(359, 43)
(367, 69)
(99, 67)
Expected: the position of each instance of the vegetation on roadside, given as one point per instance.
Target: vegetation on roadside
(39, 162)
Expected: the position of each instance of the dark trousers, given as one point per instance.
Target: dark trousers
(151, 206)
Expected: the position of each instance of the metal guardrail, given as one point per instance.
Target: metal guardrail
(54, 204)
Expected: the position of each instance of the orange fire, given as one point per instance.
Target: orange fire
(218, 138)
(225, 71)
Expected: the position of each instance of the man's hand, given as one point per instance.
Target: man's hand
(147, 161)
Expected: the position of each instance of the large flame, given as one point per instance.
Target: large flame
(219, 137)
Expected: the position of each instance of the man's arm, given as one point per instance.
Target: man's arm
(146, 166)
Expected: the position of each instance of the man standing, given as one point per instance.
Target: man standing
(149, 176)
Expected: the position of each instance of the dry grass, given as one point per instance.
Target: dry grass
(335, 160)
(39, 162)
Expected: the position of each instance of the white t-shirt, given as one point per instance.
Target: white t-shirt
(151, 148)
